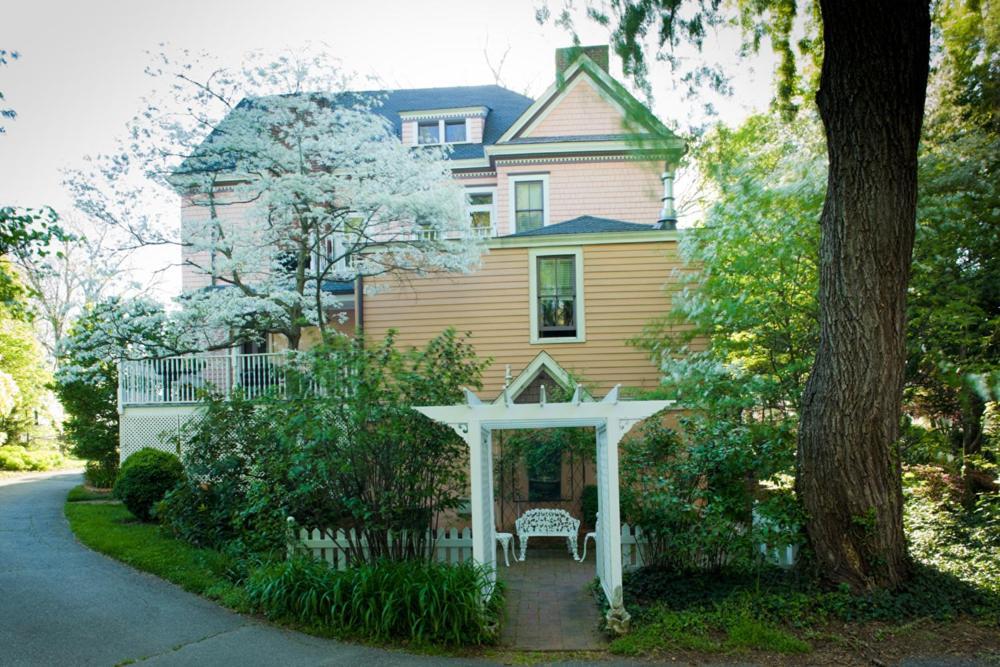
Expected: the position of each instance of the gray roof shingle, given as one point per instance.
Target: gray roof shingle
(505, 107)
(585, 224)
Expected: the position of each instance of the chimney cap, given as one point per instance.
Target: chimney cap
(566, 56)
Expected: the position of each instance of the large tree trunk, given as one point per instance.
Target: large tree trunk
(871, 100)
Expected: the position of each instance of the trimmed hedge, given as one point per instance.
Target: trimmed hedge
(145, 478)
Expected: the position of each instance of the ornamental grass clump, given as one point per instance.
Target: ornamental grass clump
(408, 600)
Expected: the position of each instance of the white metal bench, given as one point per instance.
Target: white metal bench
(548, 523)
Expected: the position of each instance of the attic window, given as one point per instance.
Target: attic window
(454, 131)
(429, 133)
(432, 131)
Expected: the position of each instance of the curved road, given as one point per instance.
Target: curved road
(62, 604)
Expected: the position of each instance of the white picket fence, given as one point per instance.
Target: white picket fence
(450, 545)
(783, 556)
(455, 546)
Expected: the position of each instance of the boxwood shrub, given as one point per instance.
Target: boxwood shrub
(145, 478)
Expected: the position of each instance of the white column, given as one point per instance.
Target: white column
(481, 480)
(609, 499)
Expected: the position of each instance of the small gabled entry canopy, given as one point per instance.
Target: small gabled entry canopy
(475, 420)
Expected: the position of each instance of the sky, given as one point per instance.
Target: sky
(80, 75)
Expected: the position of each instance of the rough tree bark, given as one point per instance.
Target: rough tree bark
(871, 99)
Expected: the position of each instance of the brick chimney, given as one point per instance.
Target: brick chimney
(567, 56)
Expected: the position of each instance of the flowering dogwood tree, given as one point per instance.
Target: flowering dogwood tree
(289, 185)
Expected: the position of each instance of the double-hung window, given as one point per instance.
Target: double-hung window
(529, 202)
(557, 313)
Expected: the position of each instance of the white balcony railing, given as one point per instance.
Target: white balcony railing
(186, 379)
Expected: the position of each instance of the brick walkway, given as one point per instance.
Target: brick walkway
(550, 606)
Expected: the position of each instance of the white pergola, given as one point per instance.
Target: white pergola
(475, 420)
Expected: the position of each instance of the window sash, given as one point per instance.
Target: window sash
(556, 295)
(429, 133)
(454, 131)
(529, 205)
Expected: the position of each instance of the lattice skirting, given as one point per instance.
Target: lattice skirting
(156, 427)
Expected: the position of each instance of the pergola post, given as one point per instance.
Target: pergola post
(480, 442)
(609, 538)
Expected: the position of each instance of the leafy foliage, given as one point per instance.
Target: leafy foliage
(346, 452)
(945, 534)
(7, 113)
(145, 478)
(236, 492)
(16, 457)
(953, 305)
(24, 375)
(956, 575)
(86, 380)
(417, 601)
(750, 289)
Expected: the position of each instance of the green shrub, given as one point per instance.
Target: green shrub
(101, 474)
(356, 456)
(145, 478)
(18, 458)
(199, 514)
(410, 600)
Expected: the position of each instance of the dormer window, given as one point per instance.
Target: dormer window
(431, 131)
(436, 127)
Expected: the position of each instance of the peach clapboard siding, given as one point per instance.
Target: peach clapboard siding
(624, 287)
(622, 189)
(580, 111)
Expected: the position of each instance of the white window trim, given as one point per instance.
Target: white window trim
(475, 208)
(533, 256)
(513, 181)
(441, 123)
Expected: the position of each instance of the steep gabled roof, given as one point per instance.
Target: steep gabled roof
(585, 224)
(645, 130)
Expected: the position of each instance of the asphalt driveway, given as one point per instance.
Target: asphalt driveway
(62, 604)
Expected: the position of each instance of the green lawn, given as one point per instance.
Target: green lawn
(83, 493)
(112, 530)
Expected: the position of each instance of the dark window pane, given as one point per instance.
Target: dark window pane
(481, 199)
(454, 130)
(527, 220)
(428, 133)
